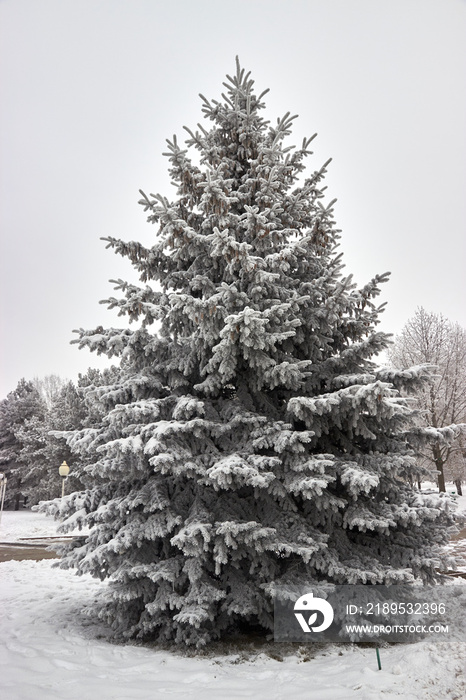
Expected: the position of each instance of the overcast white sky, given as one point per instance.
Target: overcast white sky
(90, 90)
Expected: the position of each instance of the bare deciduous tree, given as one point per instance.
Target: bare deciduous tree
(430, 338)
(49, 387)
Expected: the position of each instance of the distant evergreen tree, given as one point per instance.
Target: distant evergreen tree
(91, 386)
(44, 446)
(21, 405)
(249, 440)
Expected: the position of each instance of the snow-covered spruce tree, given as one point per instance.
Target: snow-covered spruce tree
(22, 405)
(249, 441)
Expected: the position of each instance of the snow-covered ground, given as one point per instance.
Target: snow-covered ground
(49, 651)
(17, 525)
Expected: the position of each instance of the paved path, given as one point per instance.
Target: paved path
(19, 553)
(458, 550)
(34, 548)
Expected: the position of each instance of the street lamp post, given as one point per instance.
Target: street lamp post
(63, 470)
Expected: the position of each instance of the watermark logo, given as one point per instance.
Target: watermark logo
(368, 613)
(308, 604)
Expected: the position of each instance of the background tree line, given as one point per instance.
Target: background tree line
(34, 419)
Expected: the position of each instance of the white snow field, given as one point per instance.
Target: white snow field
(49, 651)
